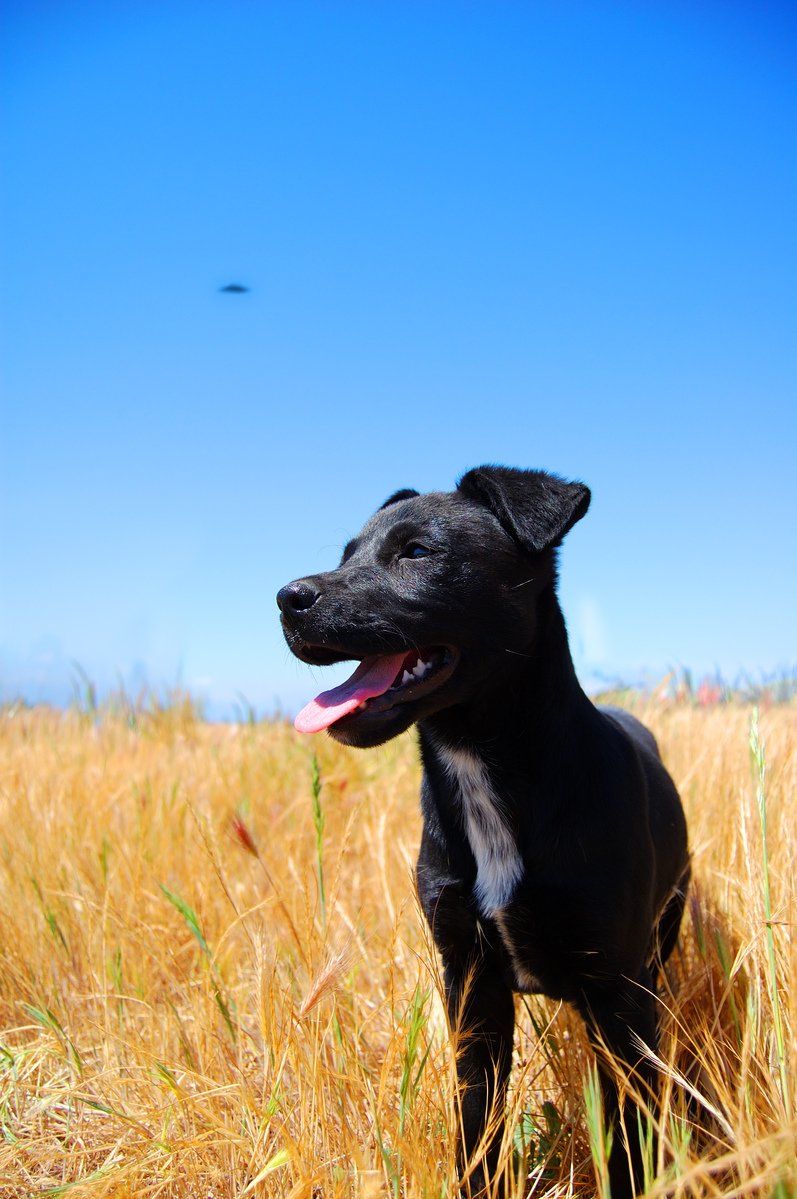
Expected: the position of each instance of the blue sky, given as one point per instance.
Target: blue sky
(551, 235)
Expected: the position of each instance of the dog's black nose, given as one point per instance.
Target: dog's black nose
(297, 597)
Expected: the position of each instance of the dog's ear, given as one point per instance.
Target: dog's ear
(536, 508)
(406, 493)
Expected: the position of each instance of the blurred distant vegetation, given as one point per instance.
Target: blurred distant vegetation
(678, 687)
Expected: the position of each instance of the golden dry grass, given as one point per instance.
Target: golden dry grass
(180, 1017)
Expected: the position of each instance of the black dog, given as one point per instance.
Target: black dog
(554, 853)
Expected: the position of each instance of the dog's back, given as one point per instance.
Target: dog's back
(639, 733)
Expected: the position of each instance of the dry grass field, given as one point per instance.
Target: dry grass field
(215, 982)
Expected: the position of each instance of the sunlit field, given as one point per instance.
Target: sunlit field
(215, 981)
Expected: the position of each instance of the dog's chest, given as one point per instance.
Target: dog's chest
(499, 866)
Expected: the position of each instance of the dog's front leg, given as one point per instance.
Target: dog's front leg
(621, 1019)
(481, 1013)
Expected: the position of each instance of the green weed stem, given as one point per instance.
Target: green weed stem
(757, 750)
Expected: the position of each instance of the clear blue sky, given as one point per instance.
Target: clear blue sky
(559, 235)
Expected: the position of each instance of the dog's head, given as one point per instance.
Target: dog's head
(436, 597)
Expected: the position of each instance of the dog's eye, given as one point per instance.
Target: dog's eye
(415, 550)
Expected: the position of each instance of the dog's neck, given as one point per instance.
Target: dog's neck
(534, 702)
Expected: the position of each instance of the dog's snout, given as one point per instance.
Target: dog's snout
(297, 597)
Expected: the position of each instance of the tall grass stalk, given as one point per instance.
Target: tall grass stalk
(600, 1139)
(412, 1067)
(192, 920)
(757, 750)
(319, 824)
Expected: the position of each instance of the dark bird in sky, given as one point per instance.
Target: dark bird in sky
(235, 289)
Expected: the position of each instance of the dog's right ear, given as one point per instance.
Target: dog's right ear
(406, 493)
(536, 508)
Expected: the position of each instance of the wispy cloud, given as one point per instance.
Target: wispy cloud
(591, 642)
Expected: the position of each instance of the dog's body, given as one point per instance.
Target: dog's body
(554, 852)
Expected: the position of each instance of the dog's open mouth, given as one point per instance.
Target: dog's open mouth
(378, 684)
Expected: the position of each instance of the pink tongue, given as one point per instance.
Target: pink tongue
(372, 677)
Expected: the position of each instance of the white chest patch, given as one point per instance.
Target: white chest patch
(499, 865)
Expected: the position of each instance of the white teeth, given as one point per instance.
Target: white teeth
(419, 670)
